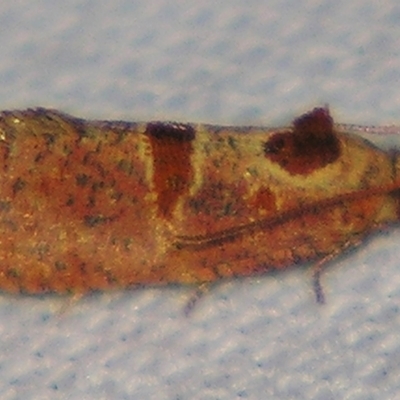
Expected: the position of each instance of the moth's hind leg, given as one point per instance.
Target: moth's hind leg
(319, 265)
(199, 292)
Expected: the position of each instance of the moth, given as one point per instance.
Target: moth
(93, 205)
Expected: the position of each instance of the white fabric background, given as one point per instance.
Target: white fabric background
(234, 62)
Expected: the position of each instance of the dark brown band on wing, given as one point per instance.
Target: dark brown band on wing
(172, 146)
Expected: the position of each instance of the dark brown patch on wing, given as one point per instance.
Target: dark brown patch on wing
(263, 199)
(312, 144)
(172, 147)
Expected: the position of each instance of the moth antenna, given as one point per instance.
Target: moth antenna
(371, 129)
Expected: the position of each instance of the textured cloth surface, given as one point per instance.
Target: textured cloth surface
(233, 62)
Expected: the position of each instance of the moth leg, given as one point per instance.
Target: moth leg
(318, 267)
(201, 290)
(68, 303)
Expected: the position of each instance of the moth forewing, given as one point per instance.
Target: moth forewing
(89, 205)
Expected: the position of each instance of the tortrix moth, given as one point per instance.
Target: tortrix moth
(91, 205)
